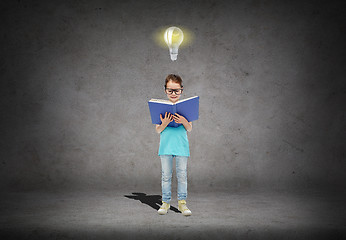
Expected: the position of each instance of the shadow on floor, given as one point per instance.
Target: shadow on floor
(153, 201)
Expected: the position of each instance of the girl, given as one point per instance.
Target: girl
(174, 143)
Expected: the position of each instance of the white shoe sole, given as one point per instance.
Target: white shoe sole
(162, 212)
(187, 213)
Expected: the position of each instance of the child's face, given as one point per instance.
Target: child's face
(173, 97)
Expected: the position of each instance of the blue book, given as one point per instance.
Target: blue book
(189, 108)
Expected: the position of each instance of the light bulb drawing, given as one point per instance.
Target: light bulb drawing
(173, 37)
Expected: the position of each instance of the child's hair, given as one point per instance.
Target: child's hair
(175, 78)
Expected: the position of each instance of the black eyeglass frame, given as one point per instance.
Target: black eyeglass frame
(174, 91)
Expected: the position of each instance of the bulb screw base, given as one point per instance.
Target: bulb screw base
(174, 56)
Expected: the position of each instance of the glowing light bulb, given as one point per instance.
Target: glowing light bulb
(173, 37)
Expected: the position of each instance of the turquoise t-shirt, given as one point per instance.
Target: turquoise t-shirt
(174, 141)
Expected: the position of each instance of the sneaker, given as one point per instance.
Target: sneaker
(183, 209)
(164, 208)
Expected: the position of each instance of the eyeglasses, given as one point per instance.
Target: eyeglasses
(176, 91)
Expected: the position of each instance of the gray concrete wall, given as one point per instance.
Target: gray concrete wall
(76, 78)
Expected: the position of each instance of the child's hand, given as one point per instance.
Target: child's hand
(180, 119)
(168, 118)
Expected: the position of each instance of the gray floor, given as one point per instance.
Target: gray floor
(132, 214)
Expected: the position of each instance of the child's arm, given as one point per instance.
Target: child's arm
(164, 122)
(188, 126)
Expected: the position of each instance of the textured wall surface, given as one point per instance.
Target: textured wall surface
(76, 77)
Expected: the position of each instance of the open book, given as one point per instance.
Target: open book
(189, 108)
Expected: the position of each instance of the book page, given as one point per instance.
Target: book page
(186, 99)
(169, 102)
(161, 101)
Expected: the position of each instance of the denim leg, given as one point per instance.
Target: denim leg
(166, 177)
(181, 168)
